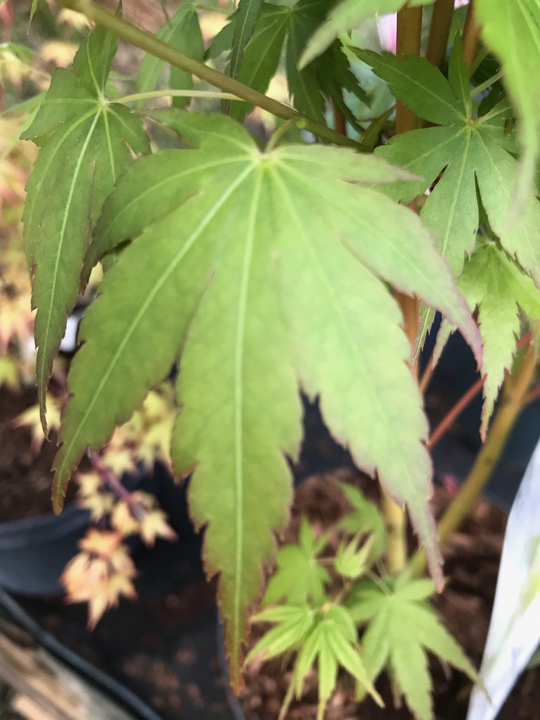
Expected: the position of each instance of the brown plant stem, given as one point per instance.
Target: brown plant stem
(409, 35)
(441, 20)
(152, 45)
(409, 27)
(516, 387)
(458, 408)
(340, 124)
(471, 35)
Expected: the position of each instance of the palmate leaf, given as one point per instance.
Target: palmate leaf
(286, 26)
(327, 635)
(182, 31)
(347, 16)
(512, 31)
(401, 629)
(494, 283)
(299, 577)
(263, 270)
(85, 146)
(365, 518)
(470, 151)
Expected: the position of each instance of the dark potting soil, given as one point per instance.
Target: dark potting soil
(165, 646)
(25, 478)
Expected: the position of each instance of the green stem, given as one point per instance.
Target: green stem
(280, 132)
(173, 93)
(151, 44)
(488, 83)
(514, 398)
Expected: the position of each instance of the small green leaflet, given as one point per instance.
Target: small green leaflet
(299, 577)
(182, 31)
(512, 31)
(365, 518)
(85, 146)
(493, 282)
(328, 636)
(286, 26)
(469, 151)
(401, 629)
(473, 152)
(262, 270)
(347, 16)
(245, 19)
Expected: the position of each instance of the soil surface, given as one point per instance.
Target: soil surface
(165, 646)
(25, 477)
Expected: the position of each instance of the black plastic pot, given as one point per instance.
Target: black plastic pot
(35, 551)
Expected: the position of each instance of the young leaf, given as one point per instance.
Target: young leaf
(299, 576)
(401, 628)
(512, 31)
(494, 283)
(85, 146)
(469, 150)
(245, 18)
(365, 518)
(328, 636)
(182, 31)
(310, 88)
(347, 16)
(273, 274)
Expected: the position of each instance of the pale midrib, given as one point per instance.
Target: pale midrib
(456, 195)
(44, 344)
(359, 220)
(367, 384)
(171, 178)
(159, 284)
(250, 80)
(109, 144)
(427, 90)
(238, 407)
(35, 193)
(91, 68)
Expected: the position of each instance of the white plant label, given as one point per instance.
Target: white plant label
(514, 631)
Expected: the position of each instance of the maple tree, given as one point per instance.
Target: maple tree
(263, 268)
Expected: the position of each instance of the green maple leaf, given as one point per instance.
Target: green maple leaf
(512, 30)
(365, 518)
(85, 146)
(286, 26)
(496, 285)
(299, 576)
(401, 628)
(470, 151)
(262, 270)
(347, 16)
(182, 31)
(327, 636)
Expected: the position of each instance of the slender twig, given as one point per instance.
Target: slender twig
(136, 508)
(340, 124)
(462, 403)
(454, 413)
(487, 458)
(173, 93)
(488, 83)
(439, 30)
(151, 44)
(471, 36)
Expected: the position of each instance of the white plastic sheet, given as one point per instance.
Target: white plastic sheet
(514, 632)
